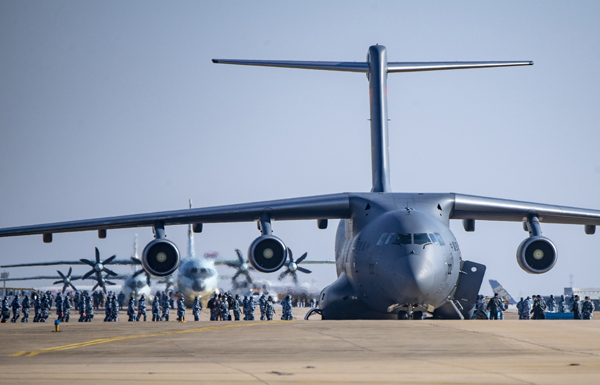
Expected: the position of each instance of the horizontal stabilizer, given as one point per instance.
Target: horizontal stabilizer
(307, 65)
(436, 66)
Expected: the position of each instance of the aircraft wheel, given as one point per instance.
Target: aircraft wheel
(417, 315)
(402, 315)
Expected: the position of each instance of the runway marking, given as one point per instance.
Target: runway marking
(105, 340)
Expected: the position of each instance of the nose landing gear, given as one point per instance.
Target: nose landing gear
(409, 313)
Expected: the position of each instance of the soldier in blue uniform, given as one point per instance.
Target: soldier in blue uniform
(250, 309)
(26, 306)
(587, 309)
(570, 303)
(562, 304)
(224, 309)
(551, 304)
(107, 309)
(165, 311)
(66, 309)
(269, 309)
(44, 307)
(155, 309)
(89, 310)
(245, 307)
(576, 308)
(81, 305)
(141, 308)
(180, 309)
(5, 309)
(171, 300)
(15, 305)
(58, 302)
(480, 304)
(520, 308)
(37, 307)
(114, 308)
(286, 306)
(236, 307)
(212, 306)
(196, 307)
(262, 303)
(131, 309)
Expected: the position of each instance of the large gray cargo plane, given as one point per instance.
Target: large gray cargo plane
(395, 254)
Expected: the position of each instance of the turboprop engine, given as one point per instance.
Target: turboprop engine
(267, 253)
(536, 255)
(160, 257)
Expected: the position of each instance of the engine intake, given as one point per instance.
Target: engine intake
(267, 253)
(160, 257)
(536, 255)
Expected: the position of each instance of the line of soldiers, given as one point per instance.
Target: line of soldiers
(221, 305)
(536, 307)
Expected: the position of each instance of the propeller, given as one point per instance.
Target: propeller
(136, 261)
(293, 268)
(243, 268)
(65, 280)
(98, 267)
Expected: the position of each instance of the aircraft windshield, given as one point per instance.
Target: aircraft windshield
(421, 239)
(402, 239)
(440, 239)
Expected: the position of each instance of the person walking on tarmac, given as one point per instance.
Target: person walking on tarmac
(196, 307)
(26, 306)
(269, 309)
(180, 309)
(587, 309)
(494, 306)
(576, 308)
(15, 309)
(141, 308)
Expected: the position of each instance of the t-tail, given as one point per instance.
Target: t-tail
(497, 288)
(376, 67)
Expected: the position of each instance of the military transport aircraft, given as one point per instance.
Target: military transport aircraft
(396, 256)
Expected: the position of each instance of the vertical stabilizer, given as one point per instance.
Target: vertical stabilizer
(376, 68)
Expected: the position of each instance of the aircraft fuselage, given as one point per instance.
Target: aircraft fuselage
(396, 251)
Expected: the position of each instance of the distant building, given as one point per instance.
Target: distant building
(592, 292)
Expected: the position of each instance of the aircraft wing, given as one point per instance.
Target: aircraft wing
(493, 209)
(333, 206)
(114, 262)
(315, 262)
(53, 277)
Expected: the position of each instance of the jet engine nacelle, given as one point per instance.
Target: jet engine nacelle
(536, 255)
(160, 257)
(267, 253)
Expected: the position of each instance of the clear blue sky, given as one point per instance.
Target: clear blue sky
(110, 108)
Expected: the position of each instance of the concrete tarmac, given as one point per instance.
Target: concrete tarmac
(312, 352)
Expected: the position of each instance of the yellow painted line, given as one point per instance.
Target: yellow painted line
(105, 340)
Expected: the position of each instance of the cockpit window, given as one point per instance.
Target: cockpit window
(421, 239)
(440, 239)
(402, 239)
(382, 239)
(433, 238)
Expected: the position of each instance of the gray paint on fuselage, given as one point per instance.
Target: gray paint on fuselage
(422, 275)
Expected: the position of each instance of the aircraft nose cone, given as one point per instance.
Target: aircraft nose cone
(414, 277)
(198, 286)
